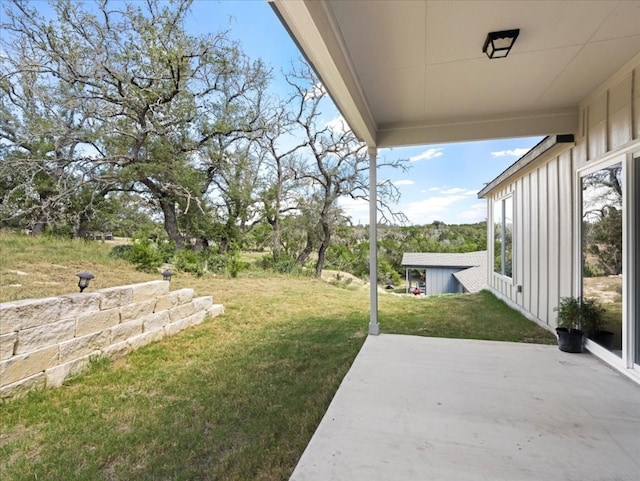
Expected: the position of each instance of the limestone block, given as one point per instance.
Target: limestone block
(97, 321)
(137, 310)
(115, 297)
(23, 366)
(56, 375)
(125, 330)
(116, 350)
(149, 290)
(27, 313)
(141, 340)
(75, 305)
(174, 299)
(177, 326)
(155, 321)
(83, 346)
(182, 311)
(46, 335)
(185, 295)
(203, 303)
(197, 318)
(7, 345)
(215, 310)
(21, 387)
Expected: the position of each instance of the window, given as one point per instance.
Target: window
(503, 236)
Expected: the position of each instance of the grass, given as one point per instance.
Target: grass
(236, 398)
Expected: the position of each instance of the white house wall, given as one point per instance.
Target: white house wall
(545, 262)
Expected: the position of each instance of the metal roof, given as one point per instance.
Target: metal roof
(440, 259)
(473, 279)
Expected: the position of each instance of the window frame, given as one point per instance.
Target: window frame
(501, 202)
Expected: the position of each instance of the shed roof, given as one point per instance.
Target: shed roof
(440, 259)
(473, 279)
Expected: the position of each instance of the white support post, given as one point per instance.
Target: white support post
(374, 326)
(407, 279)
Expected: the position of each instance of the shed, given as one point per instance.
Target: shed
(447, 272)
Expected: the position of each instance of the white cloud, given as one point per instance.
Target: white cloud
(338, 124)
(452, 190)
(356, 209)
(403, 182)
(434, 204)
(510, 153)
(428, 155)
(475, 213)
(316, 91)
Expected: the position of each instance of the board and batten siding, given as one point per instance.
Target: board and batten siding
(440, 280)
(543, 223)
(546, 256)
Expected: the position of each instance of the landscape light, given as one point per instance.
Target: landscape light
(85, 277)
(166, 275)
(498, 44)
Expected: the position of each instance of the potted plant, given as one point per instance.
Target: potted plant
(577, 317)
(592, 323)
(569, 325)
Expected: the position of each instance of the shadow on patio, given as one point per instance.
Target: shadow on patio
(415, 408)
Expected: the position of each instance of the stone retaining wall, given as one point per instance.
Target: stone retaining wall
(43, 341)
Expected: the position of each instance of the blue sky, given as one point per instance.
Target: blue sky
(443, 180)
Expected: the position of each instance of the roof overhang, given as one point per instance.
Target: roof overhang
(409, 72)
(549, 147)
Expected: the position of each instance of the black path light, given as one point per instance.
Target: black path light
(85, 277)
(498, 44)
(166, 275)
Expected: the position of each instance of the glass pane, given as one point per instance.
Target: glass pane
(508, 237)
(602, 206)
(497, 236)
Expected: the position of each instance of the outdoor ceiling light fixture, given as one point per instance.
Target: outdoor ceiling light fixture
(85, 277)
(166, 275)
(498, 44)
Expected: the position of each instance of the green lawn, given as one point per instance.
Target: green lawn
(236, 398)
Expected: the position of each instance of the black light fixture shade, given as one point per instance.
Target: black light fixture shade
(498, 44)
(83, 282)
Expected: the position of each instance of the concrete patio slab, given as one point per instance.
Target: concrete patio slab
(416, 408)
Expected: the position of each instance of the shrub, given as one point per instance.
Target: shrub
(214, 262)
(234, 265)
(145, 255)
(284, 265)
(121, 252)
(189, 261)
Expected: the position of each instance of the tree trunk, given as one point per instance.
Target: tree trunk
(83, 227)
(39, 226)
(324, 245)
(171, 221)
(275, 225)
(304, 255)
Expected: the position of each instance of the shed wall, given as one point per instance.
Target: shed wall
(545, 257)
(440, 280)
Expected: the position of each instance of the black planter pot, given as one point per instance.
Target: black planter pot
(569, 340)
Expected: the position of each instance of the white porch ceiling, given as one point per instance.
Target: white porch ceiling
(406, 72)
